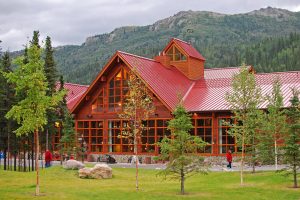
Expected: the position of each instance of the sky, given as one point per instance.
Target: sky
(72, 21)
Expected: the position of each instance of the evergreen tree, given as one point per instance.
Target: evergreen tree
(243, 101)
(292, 138)
(7, 100)
(68, 137)
(25, 59)
(30, 112)
(35, 39)
(50, 68)
(68, 134)
(51, 77)
(181, 148)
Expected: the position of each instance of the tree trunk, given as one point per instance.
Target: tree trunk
(8, 146)
(253, 159)
(295, 173)
(276, 156)
(182, 181)
(24, 157)
(15, 161)
(136, 163)
(242, 161)
(28, 154)
(37, 189)
(4, 159)
(32, 152)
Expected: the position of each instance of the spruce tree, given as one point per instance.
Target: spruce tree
(51, 77)
(7, 99)
(181, 149)
(25, 58)
(292, 138)
(35, 39)
(50, 67)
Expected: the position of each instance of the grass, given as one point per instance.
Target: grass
(57, 183)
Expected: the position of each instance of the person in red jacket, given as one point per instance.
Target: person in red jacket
(229, 158)
(48, 158)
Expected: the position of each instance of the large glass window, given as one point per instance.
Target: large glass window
(98, 104)
(92, 134)
(175, 54)
(83, 130)
(96, 136)
(119, 139)
(203, 129)
(226, 141)
(148, 136)
(117, 90)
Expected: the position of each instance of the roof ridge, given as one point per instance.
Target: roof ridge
(181, 41)
(130, 54)
(220, 68)
(76, 84)
(266, 73)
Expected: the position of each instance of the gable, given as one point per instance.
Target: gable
(185, 47)
(109, 88)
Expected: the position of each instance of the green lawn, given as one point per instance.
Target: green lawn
(57, 183)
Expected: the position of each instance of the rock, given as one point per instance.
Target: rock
(100, 171)
(84, 172)
(73, 164)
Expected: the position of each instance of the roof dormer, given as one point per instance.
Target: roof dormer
(184, 57)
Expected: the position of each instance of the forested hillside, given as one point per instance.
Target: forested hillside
(264, 38)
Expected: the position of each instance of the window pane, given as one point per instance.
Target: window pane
(160, 123)
(207, 122)
(200, 122)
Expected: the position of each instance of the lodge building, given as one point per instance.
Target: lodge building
(178, 69)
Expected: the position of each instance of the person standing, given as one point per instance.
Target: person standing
(229, 158)
(48, 158)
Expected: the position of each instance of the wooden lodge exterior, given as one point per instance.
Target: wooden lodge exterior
(178, 69)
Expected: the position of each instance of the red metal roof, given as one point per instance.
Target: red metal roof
(188, 48)
(75, 91)
(166, 83)
(209, 94)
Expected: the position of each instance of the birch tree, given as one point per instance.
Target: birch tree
(30, 112)
(274, 125)
(243, 101)
(137, 107)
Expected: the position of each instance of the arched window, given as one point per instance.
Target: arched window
(117, 90)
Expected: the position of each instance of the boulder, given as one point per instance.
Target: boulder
(73, 164)
(101, 171)
(84, 172)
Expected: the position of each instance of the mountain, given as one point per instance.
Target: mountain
(224, 40)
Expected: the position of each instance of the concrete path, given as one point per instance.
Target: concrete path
(163, 166)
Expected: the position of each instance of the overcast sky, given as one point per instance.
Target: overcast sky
(71, 21)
